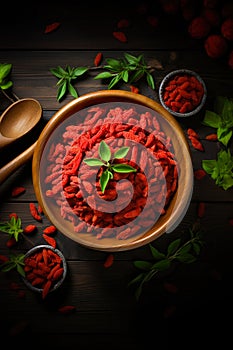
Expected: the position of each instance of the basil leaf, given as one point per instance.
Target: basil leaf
(121, 153)
(94, 161)
(123, 168)
(104, 151)
(104, 178)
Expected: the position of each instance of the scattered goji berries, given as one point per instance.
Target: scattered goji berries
(195, 140)
(44, 268)
(16, 191)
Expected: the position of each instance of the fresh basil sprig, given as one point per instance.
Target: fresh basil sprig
(12, 227)
(221, 118)
(66, 78)
(107, 161)
(130, 69)
(220, 169)
(15, 261)
(176, 251)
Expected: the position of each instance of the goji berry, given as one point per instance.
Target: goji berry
(51, 27)
(98, 59)
(120, 36)
(66, 309)
(134, 89)
(199, 174)
(50, 240)
(201, 209)
(16, 191)
(11, 242)
(34, 212)
(109, 260)
(123, 23)
(46, 289)
(3, 259)
(196, 143)
(49, 230)
(13, 215)
(212, 137)
(29, 229)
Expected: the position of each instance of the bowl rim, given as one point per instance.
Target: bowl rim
(102, 96)
(58, 252)
(180, 72)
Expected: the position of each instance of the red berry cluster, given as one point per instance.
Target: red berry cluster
(214, 25)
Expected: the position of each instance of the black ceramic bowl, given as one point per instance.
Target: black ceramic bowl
(182, 93)
(44, 256)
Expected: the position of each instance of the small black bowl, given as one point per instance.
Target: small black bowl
(55, 284)
(174, 75)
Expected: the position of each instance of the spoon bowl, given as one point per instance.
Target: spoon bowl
(18, 119)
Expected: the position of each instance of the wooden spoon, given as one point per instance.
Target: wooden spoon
(18, 119)
(14, 164)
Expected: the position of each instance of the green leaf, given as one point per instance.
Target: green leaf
(79, 71)
(123, 168)
(6, 85)
(94, 161)
(121, 153)
(209, 165)
(156, 254)
(103, 75)
(143, 265)
(150, 81)
(173, 246)
(72, 90)
(186, 258)
(5, 69)
(104, 151)
(114, 81)
(224, 135)
(162, 265)
(104, 178)
(61, 91)
(211, 119)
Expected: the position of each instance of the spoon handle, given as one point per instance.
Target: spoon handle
(15, 163)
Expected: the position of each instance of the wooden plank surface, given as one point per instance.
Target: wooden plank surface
(107, 313)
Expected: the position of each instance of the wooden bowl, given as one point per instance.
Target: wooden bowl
(136, 208)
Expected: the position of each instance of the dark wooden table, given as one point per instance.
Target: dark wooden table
(107, 314)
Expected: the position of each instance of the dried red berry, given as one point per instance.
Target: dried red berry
(16, 191)
(120, 36)
(227, 29)
(215, 46)
(199, 28)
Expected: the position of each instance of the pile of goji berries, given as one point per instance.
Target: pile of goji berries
(44, 269)
(183, 93)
